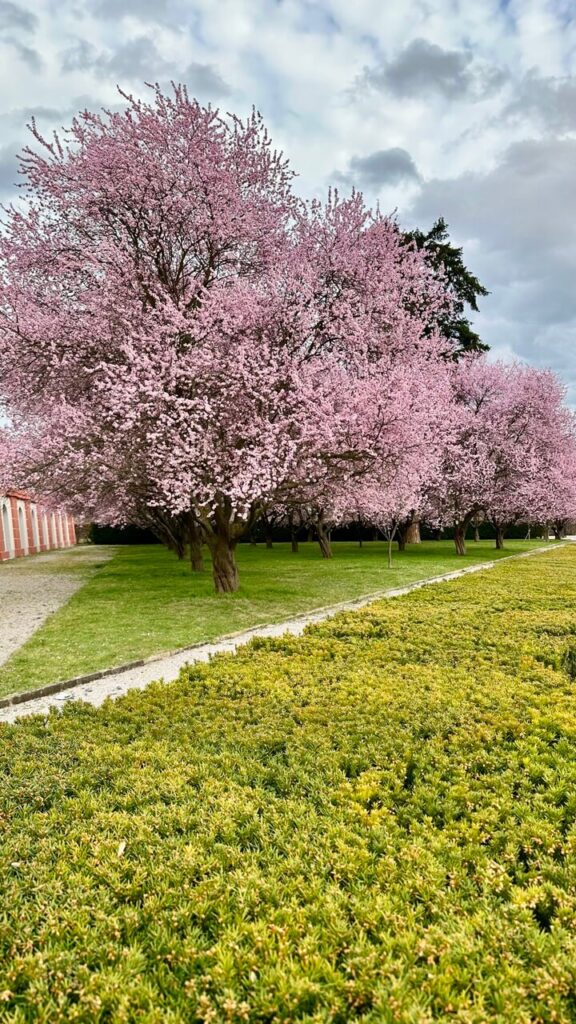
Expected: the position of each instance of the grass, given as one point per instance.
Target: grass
(144, 601)
(375, 822)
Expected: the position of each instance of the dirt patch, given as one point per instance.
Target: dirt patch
(32, 589)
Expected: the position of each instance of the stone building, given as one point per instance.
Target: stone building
(27, 528)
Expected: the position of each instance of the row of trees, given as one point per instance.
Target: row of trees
(187, 345)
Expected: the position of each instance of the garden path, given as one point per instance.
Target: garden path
(113, 683)
(33, 588)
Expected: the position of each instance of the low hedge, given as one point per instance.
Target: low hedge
(374, 822)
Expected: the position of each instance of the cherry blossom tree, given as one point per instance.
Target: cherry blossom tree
(403, 442)
(511, 434)
(551, 497)
(5, 460)
(134, 264)
(537, 440)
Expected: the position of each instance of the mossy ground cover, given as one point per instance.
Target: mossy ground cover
(144, 601)
(374, 822)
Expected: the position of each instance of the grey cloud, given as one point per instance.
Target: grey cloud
(205, 80)
(422, 67)
(9, 176)
(147, 10)
(81, 56)
(488, 79)
(12, 16)
(518, 222)
(528, 200)
(24, 114)
(139, 60)
(383, 167)
(136, 59)
(549, 101)
(51, 117)
(27, 54)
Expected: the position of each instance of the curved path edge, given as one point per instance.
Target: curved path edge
(95, 687)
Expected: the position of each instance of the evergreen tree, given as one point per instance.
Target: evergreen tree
(465, 288)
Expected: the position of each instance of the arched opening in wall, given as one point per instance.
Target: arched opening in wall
(45, 537)
(22, 529)
(7, 529)
(34, 520)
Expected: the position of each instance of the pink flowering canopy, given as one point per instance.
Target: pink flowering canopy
(512, 438)
(180, 332)
(182, 339)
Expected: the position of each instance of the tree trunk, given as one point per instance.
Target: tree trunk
(359, 542)
(325, 546)
(460, 538)
(224, 568)
(413, 532)
(196, 556)
(173, 536)
(294, 525)
(476, 534)
(499, 538)
(267, 528)
(173, 542)
(559, 528)
(390, 550)
(310, 536)
(323, 539)
(401, 531)
(375, 535)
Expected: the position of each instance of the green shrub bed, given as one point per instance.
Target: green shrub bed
(375, 822)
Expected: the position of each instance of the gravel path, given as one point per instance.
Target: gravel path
(33, 588)
(168, 667)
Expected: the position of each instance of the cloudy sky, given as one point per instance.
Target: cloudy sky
(458, 108)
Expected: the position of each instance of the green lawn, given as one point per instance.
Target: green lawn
(373, 823)
(144, 601)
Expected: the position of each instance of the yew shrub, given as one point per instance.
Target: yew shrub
(374, 822)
